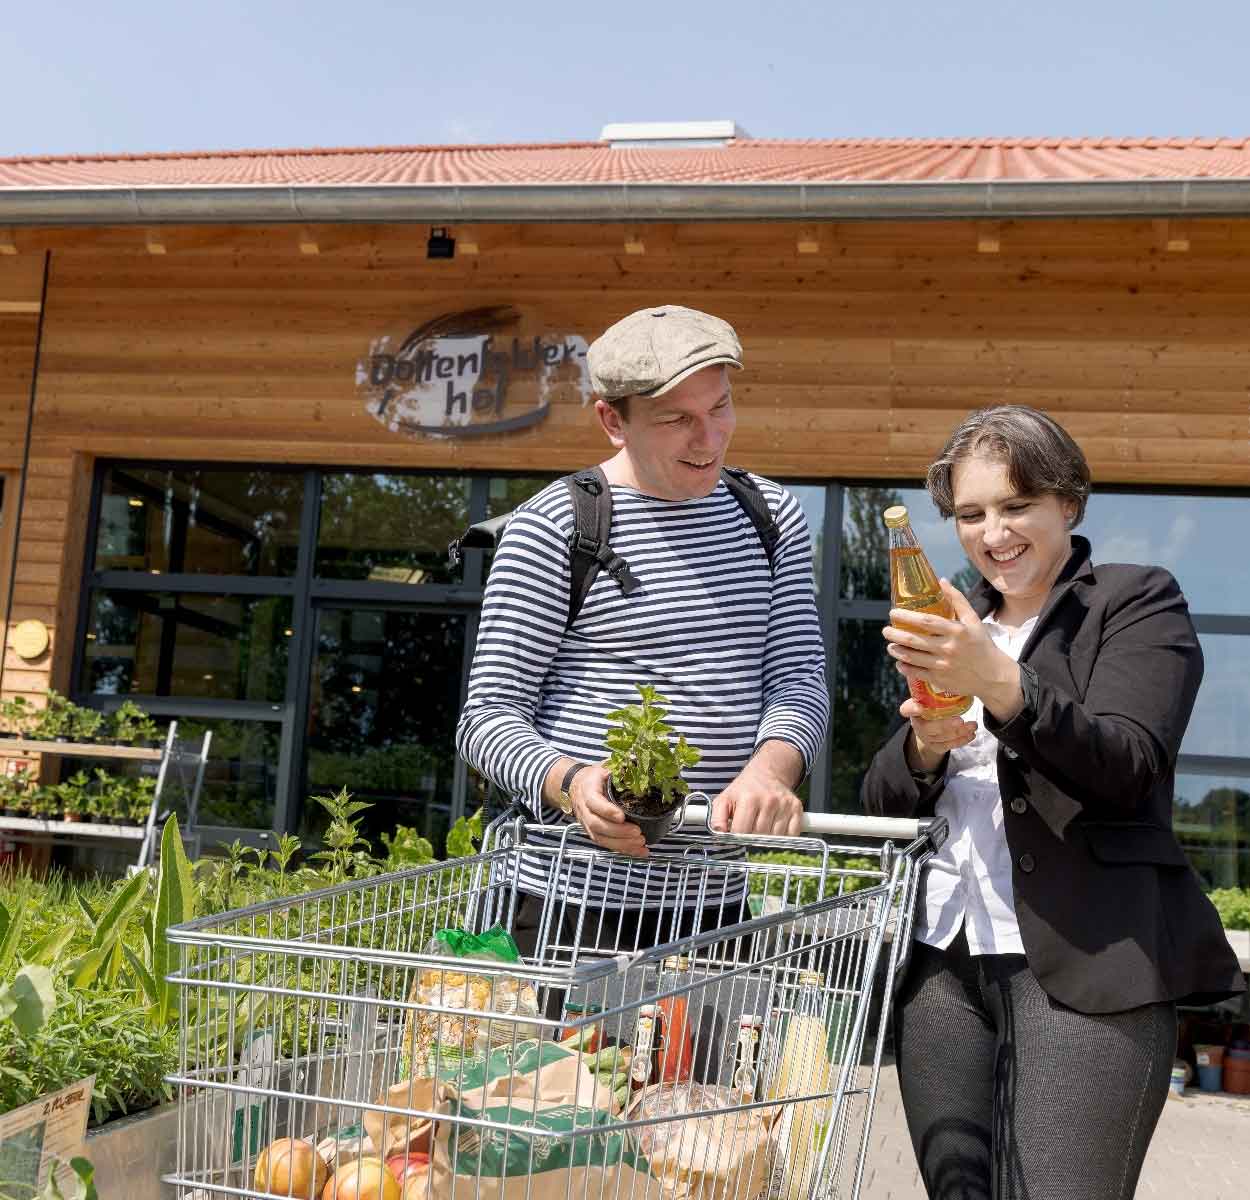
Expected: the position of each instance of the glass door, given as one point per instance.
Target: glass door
(386, 686)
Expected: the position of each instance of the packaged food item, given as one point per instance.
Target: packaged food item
(703, 1146)
(588, 1037)
(502, 1009)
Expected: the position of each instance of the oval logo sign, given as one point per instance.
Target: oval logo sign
(466, 374)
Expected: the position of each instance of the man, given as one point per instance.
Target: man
(733, 644)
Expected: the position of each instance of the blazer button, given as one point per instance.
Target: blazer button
(1019, 804)
(1010, 753)
(1027, 863)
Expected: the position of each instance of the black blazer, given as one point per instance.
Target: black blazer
(1111, 914)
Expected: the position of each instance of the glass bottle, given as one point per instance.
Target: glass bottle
(914, 586)
(803, 1068)
(676, 1049)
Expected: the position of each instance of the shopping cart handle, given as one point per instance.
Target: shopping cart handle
(902, 829)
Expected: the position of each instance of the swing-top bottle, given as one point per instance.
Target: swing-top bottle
(914, 586)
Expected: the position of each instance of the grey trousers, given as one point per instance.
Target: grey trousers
(1010, 1095)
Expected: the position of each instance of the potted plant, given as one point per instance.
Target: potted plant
(84, 723)
(645, 766)
(72, 793)
(53, 721)
(138, 799)
(131, 725)
(16, 715)
(17, 792)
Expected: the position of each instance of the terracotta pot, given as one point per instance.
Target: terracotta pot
(1237, 1074)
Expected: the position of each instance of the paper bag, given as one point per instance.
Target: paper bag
(394, 1134)
(545, 1088)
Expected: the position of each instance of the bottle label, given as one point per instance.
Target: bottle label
(745, 1056)
(644, 1045)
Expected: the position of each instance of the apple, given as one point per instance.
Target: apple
(291, 1167)
(407, 1166)
(364, 1179)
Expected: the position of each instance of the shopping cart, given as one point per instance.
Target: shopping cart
(736, 1056)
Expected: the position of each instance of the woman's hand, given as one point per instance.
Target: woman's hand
(932, 740)
(956, 656)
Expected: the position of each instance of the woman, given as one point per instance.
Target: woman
(1060, 922)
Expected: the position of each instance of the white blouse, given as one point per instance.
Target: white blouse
(968, 882)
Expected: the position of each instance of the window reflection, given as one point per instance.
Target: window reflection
(211, 522)
(170, 644)
(1211, 816)
(866, 543)
(385, 698)
(391, 528)
(241, 776)
(1200, 539)
(1221, 719)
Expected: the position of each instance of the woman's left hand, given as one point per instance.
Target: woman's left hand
(956, 656)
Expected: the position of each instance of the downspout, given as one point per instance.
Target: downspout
(21, 489)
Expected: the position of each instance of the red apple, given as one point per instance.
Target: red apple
(405, 1166)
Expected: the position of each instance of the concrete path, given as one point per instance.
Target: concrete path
(1201, 1149)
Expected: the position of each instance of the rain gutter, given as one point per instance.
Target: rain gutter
(464, 203)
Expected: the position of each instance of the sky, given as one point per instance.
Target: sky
(137, 76)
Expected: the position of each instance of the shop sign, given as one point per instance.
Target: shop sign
(465, 374)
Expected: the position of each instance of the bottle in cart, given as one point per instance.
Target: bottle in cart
(676, 1056)
(914, 586)
(746, 1074)
(646, 1047)
(803, 1069)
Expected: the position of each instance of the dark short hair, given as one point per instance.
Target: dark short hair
(621, 405)
(1040, 455)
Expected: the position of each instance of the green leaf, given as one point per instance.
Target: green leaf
(84, 969)
(29, 1000)
(13, 923)
(86, 1178)
(86, 908)
(47, 949)
(146, 983)
(112, 924)
(175, 903)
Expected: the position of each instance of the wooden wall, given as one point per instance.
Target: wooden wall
(864, 344)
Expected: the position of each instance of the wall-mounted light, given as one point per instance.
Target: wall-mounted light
(287, 632)
(357, 688)
(135, 502)
(440, 244)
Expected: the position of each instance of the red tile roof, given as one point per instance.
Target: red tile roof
(868, 160)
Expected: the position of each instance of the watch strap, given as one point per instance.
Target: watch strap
(566, 800)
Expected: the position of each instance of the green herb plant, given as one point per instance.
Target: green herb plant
(643, 761)
(1233, 905)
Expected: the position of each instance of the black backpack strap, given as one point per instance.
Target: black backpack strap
(589, 551)
(746, 491)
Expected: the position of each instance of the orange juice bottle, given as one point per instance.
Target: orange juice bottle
(676, 1050)
(914, 586)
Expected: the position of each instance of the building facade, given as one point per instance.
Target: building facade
(235, 445)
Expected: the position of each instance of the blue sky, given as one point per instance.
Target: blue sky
(139, 76)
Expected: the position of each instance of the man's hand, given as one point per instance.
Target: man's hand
(604, 822)
(760, 799)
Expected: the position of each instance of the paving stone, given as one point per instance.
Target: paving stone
(1201, 1149)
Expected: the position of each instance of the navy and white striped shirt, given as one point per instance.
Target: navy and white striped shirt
(736, 651)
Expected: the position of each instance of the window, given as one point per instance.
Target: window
(1190, 535)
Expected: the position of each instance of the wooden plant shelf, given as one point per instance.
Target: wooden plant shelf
(79, 749)
(77, 828)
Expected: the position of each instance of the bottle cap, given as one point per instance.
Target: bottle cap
(895, 516)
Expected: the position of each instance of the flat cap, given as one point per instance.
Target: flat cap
(652, 350)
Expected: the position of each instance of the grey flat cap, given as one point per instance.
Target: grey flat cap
(652, 350)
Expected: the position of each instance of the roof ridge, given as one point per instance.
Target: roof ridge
(309, 151)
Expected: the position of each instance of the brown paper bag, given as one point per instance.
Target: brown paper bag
(551, 1093)
(393, 1134)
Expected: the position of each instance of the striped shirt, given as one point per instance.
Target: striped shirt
(735, 649)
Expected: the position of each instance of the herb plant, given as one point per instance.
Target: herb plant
(643, 761)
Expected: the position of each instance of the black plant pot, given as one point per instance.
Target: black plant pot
(647, 812)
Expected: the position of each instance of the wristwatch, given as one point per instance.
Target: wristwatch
(565, 802)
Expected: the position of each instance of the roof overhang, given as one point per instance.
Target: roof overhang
(533, 202)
